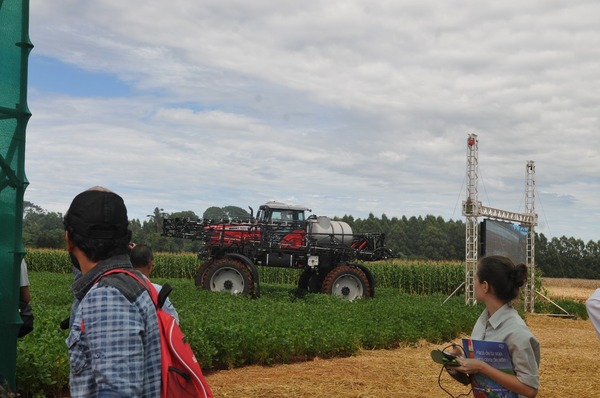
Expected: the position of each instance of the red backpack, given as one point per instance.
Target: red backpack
(181, 373)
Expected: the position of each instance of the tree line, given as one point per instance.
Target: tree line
(429, 237)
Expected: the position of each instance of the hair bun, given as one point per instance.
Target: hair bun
(519, 275)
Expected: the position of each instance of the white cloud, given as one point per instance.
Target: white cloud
(346, 107)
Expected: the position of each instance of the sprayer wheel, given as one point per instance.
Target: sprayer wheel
(228, 275)
(347, 282)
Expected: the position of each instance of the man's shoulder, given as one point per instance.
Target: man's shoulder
(125, 284)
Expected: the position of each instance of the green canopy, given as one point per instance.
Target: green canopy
(14, 114)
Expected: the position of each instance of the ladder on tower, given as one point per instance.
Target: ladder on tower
(471, 259)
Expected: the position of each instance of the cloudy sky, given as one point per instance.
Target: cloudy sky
(346, 107)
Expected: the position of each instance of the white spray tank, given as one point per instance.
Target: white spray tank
(321, 229)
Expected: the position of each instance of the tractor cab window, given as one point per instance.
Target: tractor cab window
(286, 216)
(281, 216)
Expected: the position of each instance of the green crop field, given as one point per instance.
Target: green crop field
(280, 326)
(229, 331)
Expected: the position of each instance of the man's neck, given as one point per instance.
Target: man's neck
(85, 263)
(144, 270)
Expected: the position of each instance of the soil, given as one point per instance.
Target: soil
(569, 368)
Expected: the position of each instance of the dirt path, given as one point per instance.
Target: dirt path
(569, 368)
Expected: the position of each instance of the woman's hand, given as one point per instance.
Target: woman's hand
(508, 381)
(470, 366)
(455, 350)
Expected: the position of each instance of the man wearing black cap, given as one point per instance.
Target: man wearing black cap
(114, 341)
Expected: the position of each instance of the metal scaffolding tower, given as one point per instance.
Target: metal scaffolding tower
(473, 209)
(530, 258)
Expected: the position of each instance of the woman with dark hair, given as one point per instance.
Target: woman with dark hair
(497, 284)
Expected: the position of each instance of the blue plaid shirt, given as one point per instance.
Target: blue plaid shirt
(114, 341)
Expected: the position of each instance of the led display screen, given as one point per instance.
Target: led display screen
(504, 239)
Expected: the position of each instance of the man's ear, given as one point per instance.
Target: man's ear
(68, 242)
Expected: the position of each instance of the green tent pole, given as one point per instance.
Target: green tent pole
(15, 47)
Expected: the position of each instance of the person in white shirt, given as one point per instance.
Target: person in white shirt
(24, 300)
(592, 305)
(25, 294)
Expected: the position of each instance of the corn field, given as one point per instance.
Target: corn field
(419, 277)
(408, 276)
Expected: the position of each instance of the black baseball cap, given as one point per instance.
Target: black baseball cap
(97, 213)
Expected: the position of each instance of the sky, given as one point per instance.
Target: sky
(346, 107)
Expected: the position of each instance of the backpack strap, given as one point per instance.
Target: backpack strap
(128, 287)
(163, 294)
(140, 279)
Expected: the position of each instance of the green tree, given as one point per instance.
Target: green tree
(214, 213)
(183, 214)
(236, 212)
(434, 242)
(415, 237)
(42, 228)
(456, 235)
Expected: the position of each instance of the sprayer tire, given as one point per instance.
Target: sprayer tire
(347, 282)
(227, 275)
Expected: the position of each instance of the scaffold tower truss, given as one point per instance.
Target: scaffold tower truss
(473, 209)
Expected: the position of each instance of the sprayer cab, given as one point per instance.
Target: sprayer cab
(281, 213)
